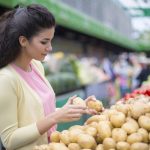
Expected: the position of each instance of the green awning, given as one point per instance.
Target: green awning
(139, 12)
(73, 19)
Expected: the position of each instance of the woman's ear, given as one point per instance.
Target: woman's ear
(23, 41)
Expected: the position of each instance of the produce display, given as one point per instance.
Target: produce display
(141, 91)
(67, 72)
(61, 74)
(68, 82)
(125, 126)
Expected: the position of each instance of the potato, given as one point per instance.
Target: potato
(147, 114)
(79, 101)
(73, 134)
(123, 146)
(91, 131)
(96, 118)
(134, 138)
(130, 101)
(55, 136)
(103, 118)
(147, 107)
(86, 141)
(117, 119)
(105, 112)
(73, 146)
(122, 108)
(97, 105)
(137, 110)
(144, 122)
(93, 124)
(129, 114)
(139, 146)
(134, 122)
(99, 147)
(98, 139)
(111, 112)
(129, 127)
(144, 134)
(57, 146)
(109, 143)
(76, 127)
(104, 129)
(64, 137)
(119, 134)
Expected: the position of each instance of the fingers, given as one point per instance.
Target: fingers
(70, 100)
(77, 107)
(71, 114)
(91, 112)
(72, 97)
(71, 109)
(77, 111)
(67, 114)
(77, 115)
(82, 111)
(90, 98)
(74, 119)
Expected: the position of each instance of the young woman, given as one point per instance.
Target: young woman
(27, 100)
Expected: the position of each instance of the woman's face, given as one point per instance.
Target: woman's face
(40, 45)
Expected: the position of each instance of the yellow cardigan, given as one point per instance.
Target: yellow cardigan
(20, 108)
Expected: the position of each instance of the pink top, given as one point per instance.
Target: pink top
(46, 94)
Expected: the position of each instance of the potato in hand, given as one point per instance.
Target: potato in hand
(95, 104)
(79, 101)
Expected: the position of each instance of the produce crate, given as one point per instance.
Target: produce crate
(61, 100)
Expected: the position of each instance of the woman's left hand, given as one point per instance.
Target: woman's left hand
(88, 110)
(92, 111)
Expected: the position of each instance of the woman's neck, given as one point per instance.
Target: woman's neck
(23, 64)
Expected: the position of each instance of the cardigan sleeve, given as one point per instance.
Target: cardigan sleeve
(12, 136)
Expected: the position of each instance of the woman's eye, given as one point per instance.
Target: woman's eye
(43, 42)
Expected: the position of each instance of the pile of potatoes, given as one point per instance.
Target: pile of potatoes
(122, 127)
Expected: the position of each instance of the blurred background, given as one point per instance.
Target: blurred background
(101, 48)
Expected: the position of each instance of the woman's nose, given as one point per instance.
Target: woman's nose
(49, 48)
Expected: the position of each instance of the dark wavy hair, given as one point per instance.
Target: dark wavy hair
(22, 21)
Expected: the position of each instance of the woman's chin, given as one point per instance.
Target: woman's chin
(40, 59)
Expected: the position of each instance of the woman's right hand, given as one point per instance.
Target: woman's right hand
(69, 112)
